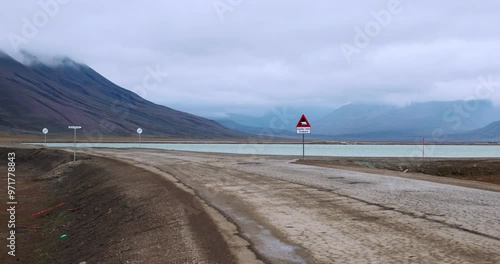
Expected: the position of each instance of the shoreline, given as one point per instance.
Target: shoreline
(66, 138)
(395, 166)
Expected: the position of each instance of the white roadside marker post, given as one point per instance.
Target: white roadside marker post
(45, 131)
(74, 140)
(139, 131)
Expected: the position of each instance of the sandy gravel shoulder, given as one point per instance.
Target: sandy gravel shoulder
(294, 213)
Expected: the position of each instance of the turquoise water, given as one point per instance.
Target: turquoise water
(444, 151)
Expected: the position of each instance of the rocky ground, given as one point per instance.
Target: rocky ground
(107, 211)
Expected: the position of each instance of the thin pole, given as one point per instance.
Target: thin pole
(303, 148)
(140, 145)
(74, 145)
(45, 141)
(423, 148)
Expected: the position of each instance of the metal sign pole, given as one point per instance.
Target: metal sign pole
(303, 148)
(423, 148)
(45, 141)
(74, 145)
(74, 140)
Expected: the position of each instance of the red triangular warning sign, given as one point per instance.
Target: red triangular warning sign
(303, 122)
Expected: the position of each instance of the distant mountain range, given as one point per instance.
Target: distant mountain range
(269, 131)
(490, 133)
(437, 121)
(381, 122)
(37, 95)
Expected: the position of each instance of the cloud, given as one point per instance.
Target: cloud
(263, 54)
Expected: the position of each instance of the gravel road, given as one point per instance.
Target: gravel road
(294, 213)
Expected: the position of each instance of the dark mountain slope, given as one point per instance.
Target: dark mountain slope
(39, 95)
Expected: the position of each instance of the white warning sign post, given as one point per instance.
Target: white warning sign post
(303, 127)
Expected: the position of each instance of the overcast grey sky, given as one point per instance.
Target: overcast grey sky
(247, 56)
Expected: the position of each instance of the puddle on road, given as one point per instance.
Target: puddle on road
(264, 242)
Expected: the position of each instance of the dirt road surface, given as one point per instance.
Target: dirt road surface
(294, 213)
